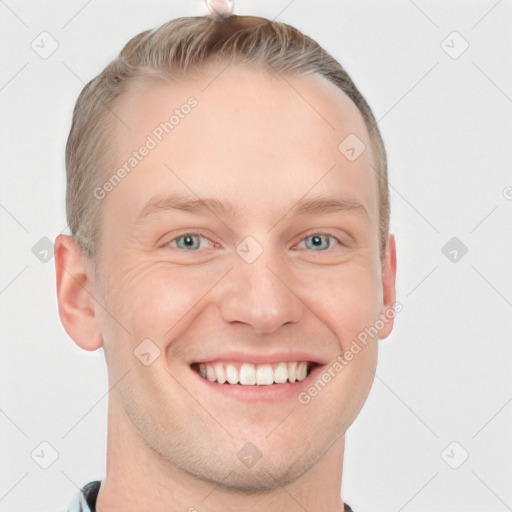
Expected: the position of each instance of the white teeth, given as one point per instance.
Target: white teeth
(231, 374)
(302, 371)
(281, 373)
(220, 373)
(210, 373)
(248, 374)
(291, 372)
(264, 375)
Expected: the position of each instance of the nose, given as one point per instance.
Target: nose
(260, 294)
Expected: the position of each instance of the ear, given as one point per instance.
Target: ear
(75, 294)
(388, 289)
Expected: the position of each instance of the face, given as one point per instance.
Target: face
(278, 264)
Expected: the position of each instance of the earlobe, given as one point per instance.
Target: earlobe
(75, 294)
(388, 289)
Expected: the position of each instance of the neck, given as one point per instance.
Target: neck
(138, 478)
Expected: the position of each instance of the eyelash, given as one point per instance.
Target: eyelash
(316, 233)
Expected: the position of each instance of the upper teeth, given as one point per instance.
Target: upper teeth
(249, 374)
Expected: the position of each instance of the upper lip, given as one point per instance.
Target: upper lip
(275, 357)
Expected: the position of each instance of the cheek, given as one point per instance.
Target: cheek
(158, 298)
(346, 300)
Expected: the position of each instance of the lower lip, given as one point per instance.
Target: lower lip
(269, 394)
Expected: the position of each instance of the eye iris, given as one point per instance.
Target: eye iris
(189, 242)
(317, 241)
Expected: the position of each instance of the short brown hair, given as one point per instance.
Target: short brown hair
(173, 48)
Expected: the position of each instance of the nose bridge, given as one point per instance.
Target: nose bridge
(259, 294)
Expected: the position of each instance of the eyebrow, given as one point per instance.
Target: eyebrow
(178, 202)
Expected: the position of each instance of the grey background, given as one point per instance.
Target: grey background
(443, 374)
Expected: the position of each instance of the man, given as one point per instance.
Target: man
(228, 200)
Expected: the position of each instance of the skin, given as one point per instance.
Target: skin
(252, 141)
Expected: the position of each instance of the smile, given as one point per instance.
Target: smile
(248, 374)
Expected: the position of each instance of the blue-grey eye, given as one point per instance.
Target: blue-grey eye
(317, 241)
(188, 241)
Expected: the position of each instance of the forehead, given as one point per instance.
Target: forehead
(248, 135)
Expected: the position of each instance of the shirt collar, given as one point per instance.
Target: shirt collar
(85, 499)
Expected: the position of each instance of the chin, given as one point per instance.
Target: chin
(259, 479)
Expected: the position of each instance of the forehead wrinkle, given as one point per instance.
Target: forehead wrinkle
(316, 205)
